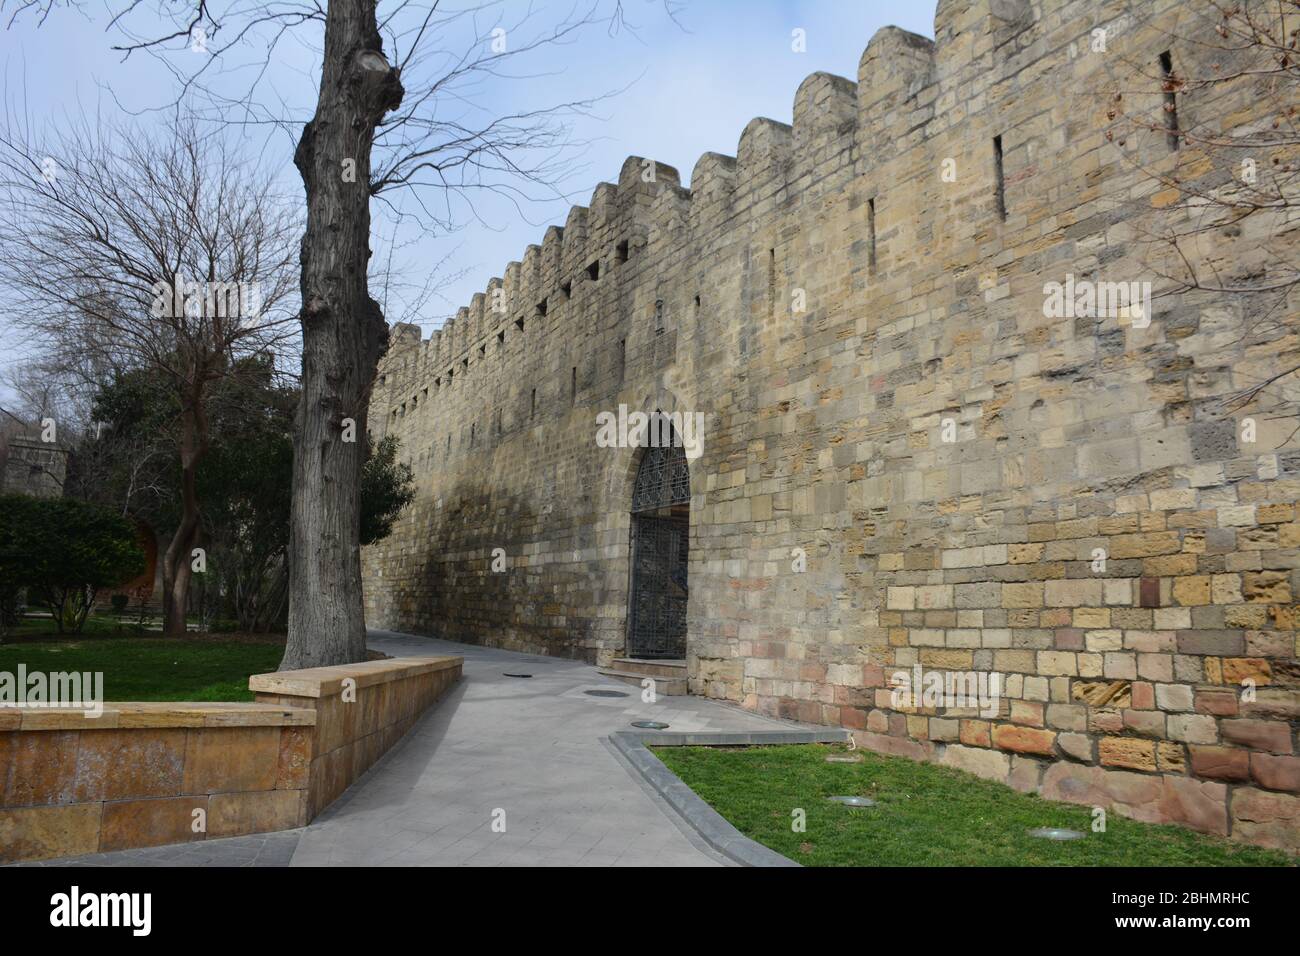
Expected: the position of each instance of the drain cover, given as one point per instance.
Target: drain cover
(853, 801)
(508, 674)
(649, 725)
(605, 693)
(1057, 833)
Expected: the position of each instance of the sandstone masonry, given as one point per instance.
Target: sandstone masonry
(1165, 686)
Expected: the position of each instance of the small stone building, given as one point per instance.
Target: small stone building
(34, 467)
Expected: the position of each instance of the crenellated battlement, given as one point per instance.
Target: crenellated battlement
(911, 93)
(904, 82)
(833, 115)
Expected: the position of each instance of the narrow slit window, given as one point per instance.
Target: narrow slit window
(501, 337)
(871, 234)
(659, 316)
(697, 306)
(519, 323)
(532, 406)
(593, 271)
(999, 189)
(620, 251)
(1170, 84)
(771, 279)
(482, 349)
(573, 384)
(472, 426)
(541, 307)
(567, 290)
(622, 359)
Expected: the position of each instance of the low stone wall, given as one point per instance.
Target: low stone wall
(146, 774)
(361, 710)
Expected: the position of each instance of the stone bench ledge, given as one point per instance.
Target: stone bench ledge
(328, 681)
(125, 714)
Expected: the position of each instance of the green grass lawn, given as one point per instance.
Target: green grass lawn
(150, 668)
(925, 815)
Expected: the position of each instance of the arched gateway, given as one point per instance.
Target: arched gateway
(661, 519)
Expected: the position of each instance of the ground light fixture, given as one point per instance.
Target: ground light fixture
(649, 725)
(1057, 833)
(853, 801)
(844, 758)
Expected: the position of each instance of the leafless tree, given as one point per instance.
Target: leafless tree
(156, 250)
(1214, 122)
(395, 109)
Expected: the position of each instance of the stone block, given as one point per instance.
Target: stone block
(1023, 739)
(1272, 736)
(1201, 805)
(1276, 772)
(1127, 752)
(1220, 763)
(130, 764)
(989, 764)
(1192, 728)
(1076, 746)
(38, 833)
(238, 758)
(42, 768)
(137, 823)
(235, 814)
(1266, 818)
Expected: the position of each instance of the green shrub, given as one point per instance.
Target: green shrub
(64, 551)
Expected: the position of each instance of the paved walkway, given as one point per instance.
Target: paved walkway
(534, 748)
(531, 747)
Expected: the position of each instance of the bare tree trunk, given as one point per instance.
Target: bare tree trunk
(177, 562)
(343, 337)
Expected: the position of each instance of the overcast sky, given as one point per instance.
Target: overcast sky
(686, 88)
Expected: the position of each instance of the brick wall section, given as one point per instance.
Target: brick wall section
(824, 430)
(134, 776)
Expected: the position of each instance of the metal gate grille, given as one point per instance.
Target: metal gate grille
(663, 478)
(659, 592)
(660, 540)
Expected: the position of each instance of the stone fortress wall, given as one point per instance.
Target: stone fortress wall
(825, 430)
